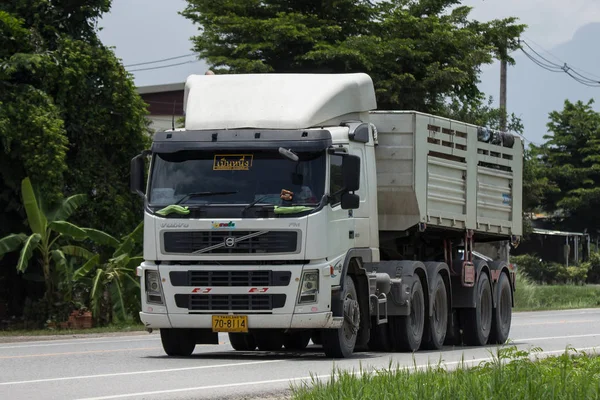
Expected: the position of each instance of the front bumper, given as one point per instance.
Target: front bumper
(287, 314)
(323, 320)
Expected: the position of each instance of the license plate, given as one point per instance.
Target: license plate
(230, 323)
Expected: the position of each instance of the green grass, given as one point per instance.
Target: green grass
(130, 327)
(511, 374)
(530, 296)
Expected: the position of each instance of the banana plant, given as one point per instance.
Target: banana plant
(47, 227)
(113, 280)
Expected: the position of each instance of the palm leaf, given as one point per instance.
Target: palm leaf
(119, 304)
(37, 220)
(77, 251)
(135, 282)
(11, 242)
(125, 247)
(138, 233)
(101, 237)
(120, 261)
(134, 262)
(96, 292)
(86, 268)
(67, 207)
(27, 251)
(59, 259)
(68, 229)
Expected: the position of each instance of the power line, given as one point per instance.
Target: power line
(551, 66)
(159, 61)
(163, 66)
(562, 61)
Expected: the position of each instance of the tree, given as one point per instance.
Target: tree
(418, 52)
(70, 117)
(570, 161)
(47, 226)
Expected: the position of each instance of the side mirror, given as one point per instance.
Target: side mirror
(350, 201)
(351, 173)
(136, 179)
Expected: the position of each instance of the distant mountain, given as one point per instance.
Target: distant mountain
(532, 92)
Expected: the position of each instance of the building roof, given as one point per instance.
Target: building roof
(274, 101)
(557, 233)
(167, 87)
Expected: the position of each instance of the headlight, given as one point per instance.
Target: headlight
(309, 287)
(153, 287)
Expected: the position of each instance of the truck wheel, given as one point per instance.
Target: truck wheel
(407, 331)
(269, 340)
(380, 338)
(476, 322)
(178, 342)
(242, 341)
(436, 325)
(502, 314)
(339, 343)
(296, 340)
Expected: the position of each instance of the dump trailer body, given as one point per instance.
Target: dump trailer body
(437, 171)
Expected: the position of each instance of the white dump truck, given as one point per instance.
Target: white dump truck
(290, 209)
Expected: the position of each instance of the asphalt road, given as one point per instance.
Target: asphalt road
(135, 367)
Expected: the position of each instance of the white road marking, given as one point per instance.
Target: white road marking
(72, 342)
(556, 337)
(156, 371)
(551, 313)
(290, 380)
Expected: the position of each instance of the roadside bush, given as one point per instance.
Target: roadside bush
(573, 274)
(532, 266)
(554, 273)
(594, 268)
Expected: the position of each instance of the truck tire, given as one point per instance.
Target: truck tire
(407, 330)
(269, 340)
(502, 314)
(242, 341)
(339, 343)
(436, 325)
(477, 322)
(296, 340)
(178, 342)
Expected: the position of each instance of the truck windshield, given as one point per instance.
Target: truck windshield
(236, 177)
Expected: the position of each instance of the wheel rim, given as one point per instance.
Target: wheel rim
(505, 306)
(416, 316)
(439, 313)
(351, 318)
(486, 309)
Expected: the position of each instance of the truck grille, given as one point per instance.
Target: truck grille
(230, 302)
(230, 242)
(230, 278)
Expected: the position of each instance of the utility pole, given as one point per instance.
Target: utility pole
(503, 94)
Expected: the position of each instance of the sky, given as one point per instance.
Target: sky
(149, 30)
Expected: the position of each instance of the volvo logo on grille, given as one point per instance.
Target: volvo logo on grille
(230, 242)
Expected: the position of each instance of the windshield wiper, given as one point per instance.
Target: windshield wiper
(202, 194)
(255, 202)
